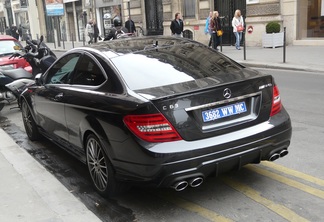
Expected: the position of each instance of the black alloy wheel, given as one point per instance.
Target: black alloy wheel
(99, 167)
(29, 122)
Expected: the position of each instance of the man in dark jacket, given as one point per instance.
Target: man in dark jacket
(14, 31)
(130, 25)
(177, 25)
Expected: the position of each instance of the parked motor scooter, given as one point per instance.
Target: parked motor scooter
(13, 82)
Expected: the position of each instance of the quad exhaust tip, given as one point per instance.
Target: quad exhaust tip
(180, 186)
(277, 155)
(283, 153)
(193, 182)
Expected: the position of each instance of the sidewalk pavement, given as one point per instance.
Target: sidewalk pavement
(30, 193)
(303, 58)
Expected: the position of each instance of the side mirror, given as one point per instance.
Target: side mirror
(38, 79)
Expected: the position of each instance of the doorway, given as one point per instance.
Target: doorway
(154, 17)
(226, 9)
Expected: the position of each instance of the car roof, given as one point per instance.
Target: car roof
(129, 45)
(7, 37)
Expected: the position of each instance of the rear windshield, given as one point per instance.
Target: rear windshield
(172, 64)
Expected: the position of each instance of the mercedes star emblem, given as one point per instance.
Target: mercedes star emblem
(227, 93)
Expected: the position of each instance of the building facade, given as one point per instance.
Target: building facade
(65, 20)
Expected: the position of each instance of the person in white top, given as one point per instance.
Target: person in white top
(237, 21)
(90, 31)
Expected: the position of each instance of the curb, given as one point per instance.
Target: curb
(280, 66)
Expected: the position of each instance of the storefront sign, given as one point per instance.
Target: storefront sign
(54, 7)
(67, 1)
(104, 3)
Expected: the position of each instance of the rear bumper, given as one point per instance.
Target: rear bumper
(166, 163)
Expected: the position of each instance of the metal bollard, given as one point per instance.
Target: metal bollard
(284, 46)
(63, 42)
(72, 40)
(244, 45)
(54, 41)
(221, 43)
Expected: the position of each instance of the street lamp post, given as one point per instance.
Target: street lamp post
(129, 18)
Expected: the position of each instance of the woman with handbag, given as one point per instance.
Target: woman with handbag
(238, 28)
(216, 29)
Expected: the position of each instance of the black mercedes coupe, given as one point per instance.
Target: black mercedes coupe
(156, 110)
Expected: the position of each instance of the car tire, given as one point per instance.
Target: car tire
(29, 122)
(1, 106)
(100, 169)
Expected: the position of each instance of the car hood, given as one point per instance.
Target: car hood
(4, 59)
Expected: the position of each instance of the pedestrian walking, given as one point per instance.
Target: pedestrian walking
(177, 26)
(90, 31)
(215, 26)
(14, 31)
(207, 30)
(130, 25)
(20, 32)
(8, 32)
(238, 27)
(95, 31)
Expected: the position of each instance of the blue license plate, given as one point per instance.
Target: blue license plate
(224, 111)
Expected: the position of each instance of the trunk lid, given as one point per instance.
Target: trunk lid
(210, 107)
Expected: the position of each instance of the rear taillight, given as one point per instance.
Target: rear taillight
(152, 128)
(276, 101)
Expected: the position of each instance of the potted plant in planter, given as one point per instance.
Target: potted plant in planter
(273, 37)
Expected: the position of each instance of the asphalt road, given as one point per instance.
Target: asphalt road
(290, 189)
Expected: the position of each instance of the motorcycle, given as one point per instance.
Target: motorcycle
(14, 82)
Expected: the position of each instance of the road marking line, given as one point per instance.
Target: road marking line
(189, 206)
(294, 173)
(287, 181)
(255, 195)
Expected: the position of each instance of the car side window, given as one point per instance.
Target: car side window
(61, 72)
(88, 73)
(113, 84)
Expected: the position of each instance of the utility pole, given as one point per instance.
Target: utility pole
(94, 10)
(129, 17)
(41, 17)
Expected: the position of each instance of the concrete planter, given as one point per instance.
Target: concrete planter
(272, 40)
